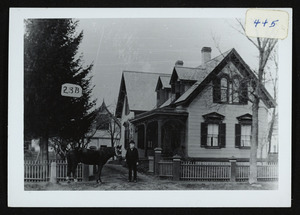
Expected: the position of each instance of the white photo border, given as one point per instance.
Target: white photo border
(17, 197)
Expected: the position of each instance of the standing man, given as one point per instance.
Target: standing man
(132, 157)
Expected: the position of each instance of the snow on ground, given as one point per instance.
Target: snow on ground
(115, 177)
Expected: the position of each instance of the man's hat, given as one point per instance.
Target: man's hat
(131, 142)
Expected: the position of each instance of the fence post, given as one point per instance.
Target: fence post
(53, 178)
(157, 158)
(233, 170)
(151, 164)
(176, 167)
(85, 172)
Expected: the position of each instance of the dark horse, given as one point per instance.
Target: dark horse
(92, 157)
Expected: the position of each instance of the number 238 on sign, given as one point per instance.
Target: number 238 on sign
(71, 90)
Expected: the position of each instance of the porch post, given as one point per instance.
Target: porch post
(157, 158)
(159, 122)
(145, 138)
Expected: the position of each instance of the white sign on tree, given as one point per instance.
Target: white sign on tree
(71, 90)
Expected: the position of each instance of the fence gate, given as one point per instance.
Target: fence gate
(165, 168)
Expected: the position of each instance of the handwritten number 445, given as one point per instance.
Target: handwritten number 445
(264, 23)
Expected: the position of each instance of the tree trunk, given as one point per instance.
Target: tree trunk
(44, 148)
(254, 142)
(112, 144)
(270, 134)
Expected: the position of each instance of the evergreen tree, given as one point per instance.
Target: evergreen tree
(50, 60)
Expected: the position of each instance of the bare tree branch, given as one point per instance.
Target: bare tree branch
(242, 26)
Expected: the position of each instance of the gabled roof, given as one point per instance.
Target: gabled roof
(163, 81)
(104, 110)
(166, 103)
(198, 73)
(187, 73)
(139, 87)
(214, 66)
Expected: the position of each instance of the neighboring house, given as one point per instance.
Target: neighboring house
(106, 129)
(34, 145)
(200, 112)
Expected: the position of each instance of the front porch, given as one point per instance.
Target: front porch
(161, 128)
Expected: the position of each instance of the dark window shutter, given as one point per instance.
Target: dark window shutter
(203, 133)
(222, 135)
(243, 92)
(216, 90)
(237, 135)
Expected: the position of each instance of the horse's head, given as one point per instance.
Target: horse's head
(118, 150)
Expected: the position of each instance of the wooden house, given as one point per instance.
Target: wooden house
(105, 129)
(202, 112)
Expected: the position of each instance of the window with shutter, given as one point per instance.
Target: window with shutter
(213, 131)
(245, 135)
(212, 135)
(243, 131)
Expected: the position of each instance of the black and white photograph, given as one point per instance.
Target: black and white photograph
(177, 103)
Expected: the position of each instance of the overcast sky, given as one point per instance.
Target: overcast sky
(153, 45)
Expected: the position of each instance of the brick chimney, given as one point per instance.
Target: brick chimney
(179, 63)
(206, 54)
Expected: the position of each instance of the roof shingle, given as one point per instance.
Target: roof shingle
(140, 89)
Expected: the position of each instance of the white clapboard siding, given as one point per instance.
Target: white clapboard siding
(202, 105)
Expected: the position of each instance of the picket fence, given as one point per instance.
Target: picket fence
(36, 171)
(267, 171)
(217, 171)
(210, 171)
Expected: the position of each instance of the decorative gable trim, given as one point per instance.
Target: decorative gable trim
(243, 68)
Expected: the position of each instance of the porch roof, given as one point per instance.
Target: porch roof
(159, 112)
